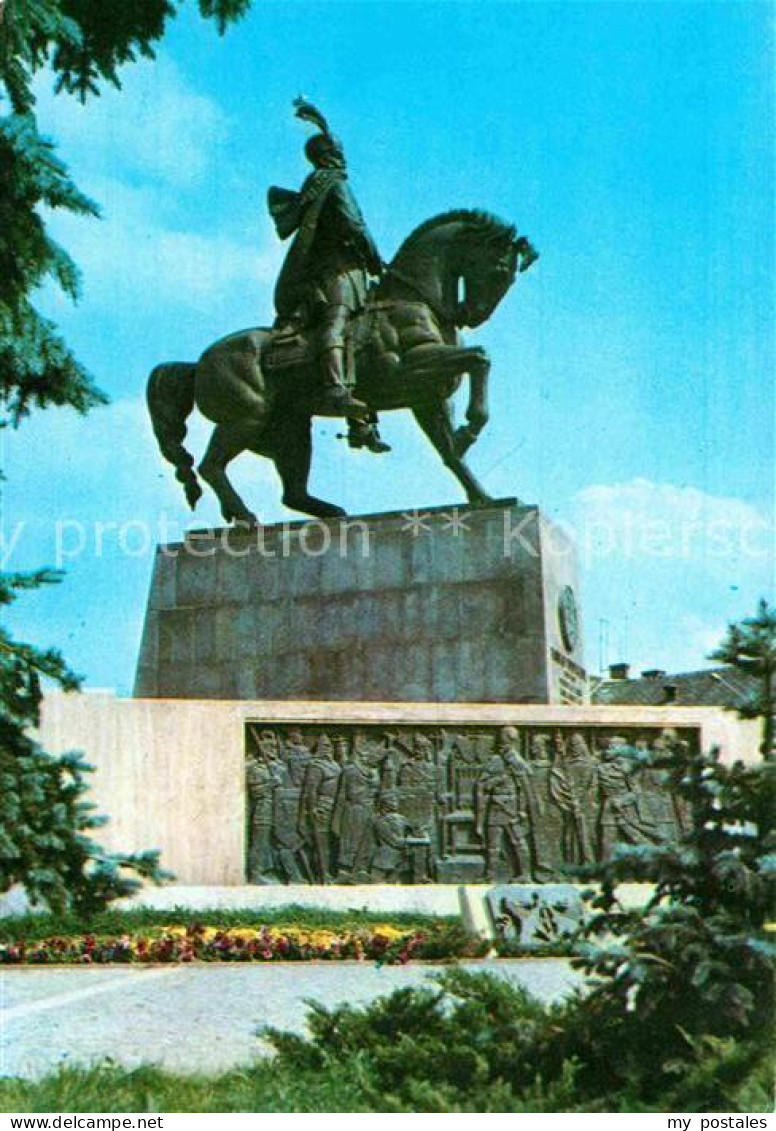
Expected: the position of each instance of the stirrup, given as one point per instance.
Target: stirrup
(366, 436)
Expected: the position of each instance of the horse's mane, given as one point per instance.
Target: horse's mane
(490, 227)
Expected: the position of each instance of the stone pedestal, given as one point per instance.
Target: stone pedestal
(445, 605)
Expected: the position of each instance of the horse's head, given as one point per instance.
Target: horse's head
(463, 262)
(491, 254)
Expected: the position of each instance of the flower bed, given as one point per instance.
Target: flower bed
(383, 943)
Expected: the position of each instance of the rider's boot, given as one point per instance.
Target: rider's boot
(365, 434)
(336, 399)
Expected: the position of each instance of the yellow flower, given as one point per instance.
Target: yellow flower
(389, 932)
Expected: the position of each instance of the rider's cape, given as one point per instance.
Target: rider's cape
(298, 212)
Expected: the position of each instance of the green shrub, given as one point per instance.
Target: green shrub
(473, 1042)
(286, 1085)
(467, 1040)
(696, 964)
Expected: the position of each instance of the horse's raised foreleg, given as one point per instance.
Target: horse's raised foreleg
(477, 413)
(451, 362)
(436, 422)
(292, 450)
(227, 442)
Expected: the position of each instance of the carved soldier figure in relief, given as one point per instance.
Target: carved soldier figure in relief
(297, 757)
(502, 818)
(509, 746)
(417, 784)
(389, 861)
(353, 816)
(289, 842)
(261, 780)
(620, 815)
(546, 830)
(392, 757)
(318, 795)
(573, 789)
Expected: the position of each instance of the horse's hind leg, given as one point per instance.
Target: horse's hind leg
(170, 399)
(227, 442)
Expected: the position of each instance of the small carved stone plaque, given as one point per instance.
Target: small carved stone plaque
(535, 916)
(450, 804)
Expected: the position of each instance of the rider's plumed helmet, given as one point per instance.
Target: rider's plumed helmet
(324, 151)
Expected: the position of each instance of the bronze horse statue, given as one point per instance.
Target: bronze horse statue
(451, 272)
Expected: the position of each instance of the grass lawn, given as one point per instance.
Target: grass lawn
(269, 1086)
(261, 1088)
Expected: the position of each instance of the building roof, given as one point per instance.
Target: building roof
(710, 687)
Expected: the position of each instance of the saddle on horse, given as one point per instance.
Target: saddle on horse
(287, 347)
(290, 355)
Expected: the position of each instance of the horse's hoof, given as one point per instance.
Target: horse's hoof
(318, 508)
(247, 521)
(193, 494)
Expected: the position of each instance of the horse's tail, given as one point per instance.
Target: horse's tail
(170, 397)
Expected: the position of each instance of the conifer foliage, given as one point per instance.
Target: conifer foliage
(82, 43)
(750, 646)
(46, 826)
(694, 971)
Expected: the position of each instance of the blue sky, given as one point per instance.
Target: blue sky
(632, 380)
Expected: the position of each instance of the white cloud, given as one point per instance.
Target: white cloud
(156, 125)
(644, 497)
(662, 521)
(665, 569)
(701, 636)
(152, 154)
(132, 255)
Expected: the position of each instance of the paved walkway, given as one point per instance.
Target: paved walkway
(194, 1018)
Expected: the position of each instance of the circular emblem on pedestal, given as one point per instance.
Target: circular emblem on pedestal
(568, 618)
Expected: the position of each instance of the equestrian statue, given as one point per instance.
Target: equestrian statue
(353, 337)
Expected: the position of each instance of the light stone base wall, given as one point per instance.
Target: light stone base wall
(170, 774)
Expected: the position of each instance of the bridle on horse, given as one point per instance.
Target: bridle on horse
(443, 316)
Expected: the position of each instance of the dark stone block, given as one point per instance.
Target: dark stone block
(464, 609)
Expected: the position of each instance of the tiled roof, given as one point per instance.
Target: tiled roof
(712, 687)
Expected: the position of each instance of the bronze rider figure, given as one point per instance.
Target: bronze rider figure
(324, 278)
